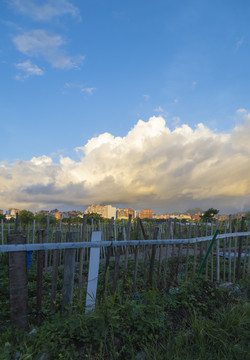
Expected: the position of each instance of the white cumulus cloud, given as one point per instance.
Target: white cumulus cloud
(46, 10)
(40, 43)
(28, 68)
(151, 166)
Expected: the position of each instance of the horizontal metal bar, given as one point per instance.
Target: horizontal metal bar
(78, 245)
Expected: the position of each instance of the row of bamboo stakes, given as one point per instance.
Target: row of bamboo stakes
(173, 260)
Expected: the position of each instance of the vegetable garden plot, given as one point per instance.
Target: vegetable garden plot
(59, 276)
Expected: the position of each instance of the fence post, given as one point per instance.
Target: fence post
(84, 225)
(69, 272)
(127, 247)
(208, 251)
(229, 249)
(47, 240)
(18, 281)
(33, 231)
(151, 268)
(93, 273)
(39, 282)
(136, 254)
(55, 270)
(240, 249)
(105, 285)
(2, 231)
(117, 259)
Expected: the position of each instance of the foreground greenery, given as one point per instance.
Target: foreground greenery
(196, 320)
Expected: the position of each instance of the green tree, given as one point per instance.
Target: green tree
(52, 220)
(2, 217)
(209, 215)
(248, 215)
(96, 217)
(25, 216)
(41, 219)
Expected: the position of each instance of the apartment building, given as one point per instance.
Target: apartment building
(146, 214)
(106, 211)
(124, 213)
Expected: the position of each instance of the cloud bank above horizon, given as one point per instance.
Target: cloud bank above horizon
(151, 166)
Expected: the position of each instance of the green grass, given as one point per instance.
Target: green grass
(197, 320)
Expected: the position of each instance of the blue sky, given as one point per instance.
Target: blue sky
(73, 70)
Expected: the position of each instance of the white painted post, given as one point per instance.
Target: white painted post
(93, 273)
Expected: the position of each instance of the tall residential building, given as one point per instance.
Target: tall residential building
(146, 214)
(12, 212)
(124, 213)
(106, 211)
(97, 209)
(110, 211)
(57, 215)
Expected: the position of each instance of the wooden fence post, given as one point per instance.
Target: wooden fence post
(81, 257)
(117, 259)
(151, 268)
(18, 281)
(69, 272)
(39, 281)
(240, 249)
(2, 232)
(33, 231)
(47, 240)
(229, 250)
(55, 270)
(105, 285)
(136, 254)
(127, 247)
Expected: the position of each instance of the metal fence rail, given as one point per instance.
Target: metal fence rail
(96, 244)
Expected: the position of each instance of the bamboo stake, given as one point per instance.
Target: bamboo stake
(206, 273)
(160, 262)
(229, 249)
(18, 283)
(217, 256)
(136, 255)
(47, 240)
(246, 253)
(39, 284)
(240, 249)
(108, 258)
(195, 249)
(168, 226)
(212, 257)
(224, 253)
(127, 247)
(80, 279)
(117, 259)
(151, 268)
(187, 253)
(55, 271)
(235, 250)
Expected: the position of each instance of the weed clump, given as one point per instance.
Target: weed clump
(196, 320)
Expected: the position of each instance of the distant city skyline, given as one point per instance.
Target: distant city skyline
(137, 104)
(109, 211)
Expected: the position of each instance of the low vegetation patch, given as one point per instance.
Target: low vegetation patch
(196, 320)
